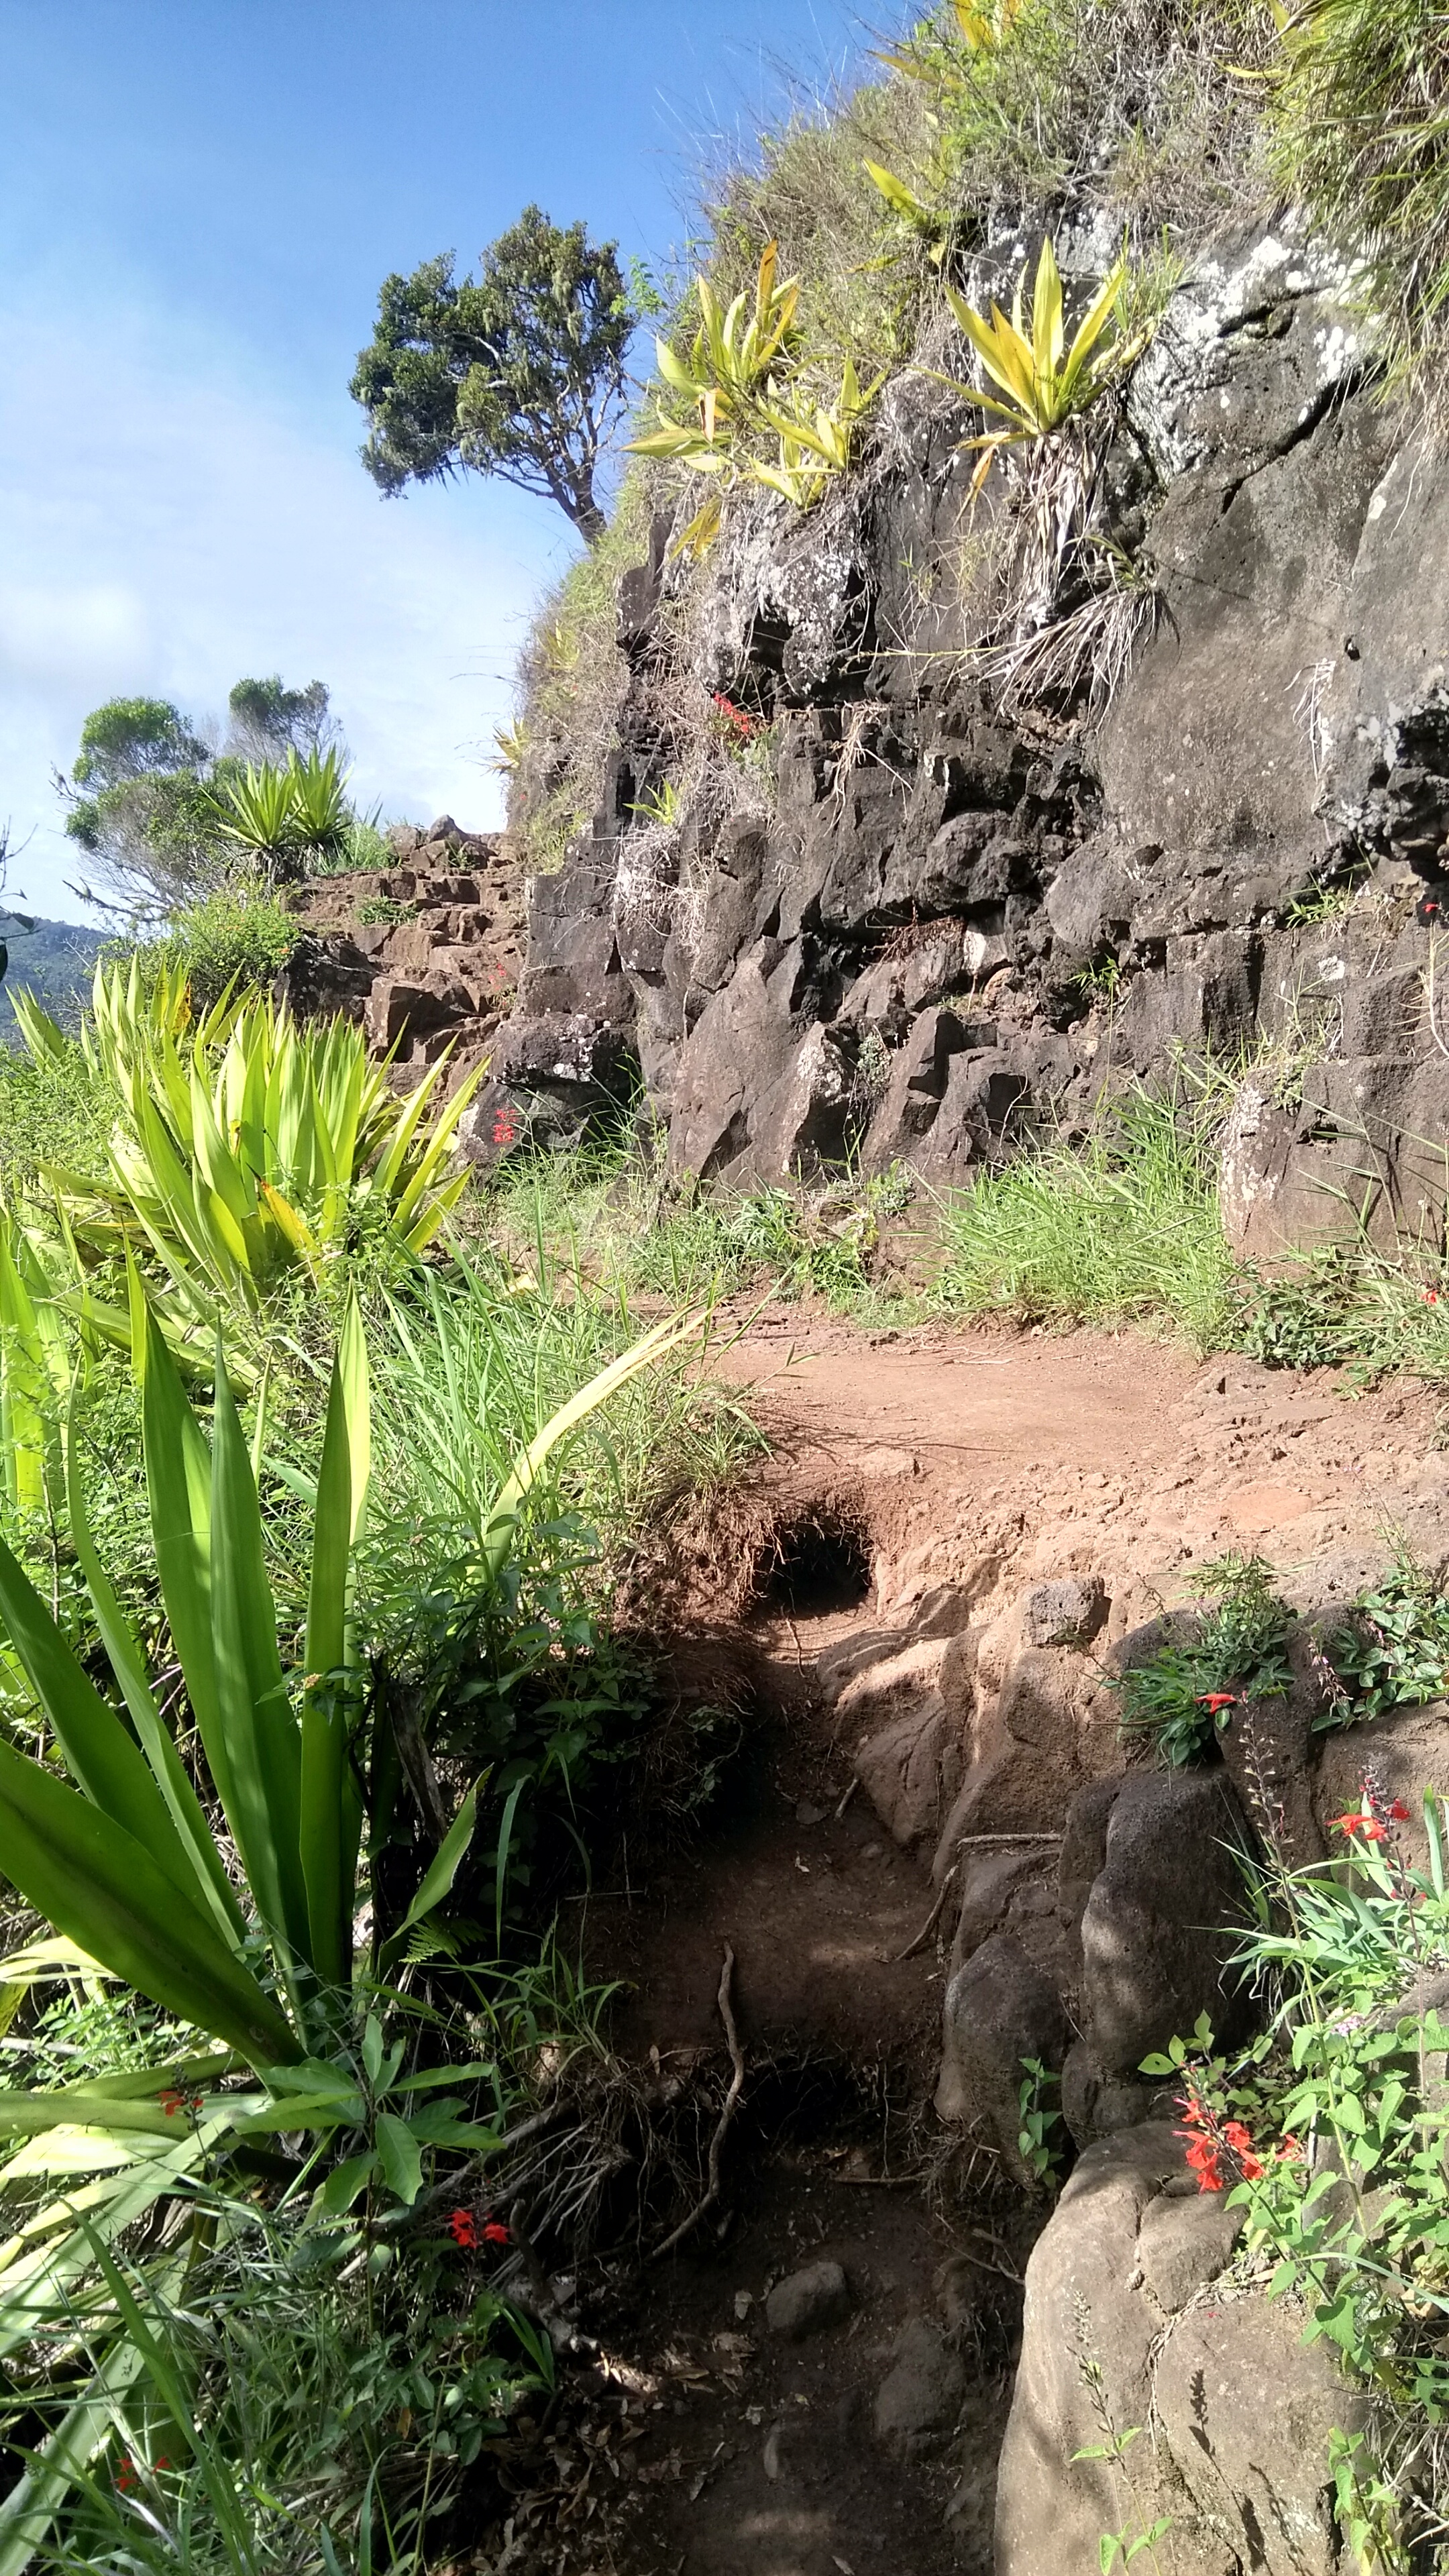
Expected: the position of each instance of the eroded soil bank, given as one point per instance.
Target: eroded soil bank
(920, 1487)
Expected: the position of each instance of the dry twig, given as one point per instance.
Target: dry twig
(688, 2225)
(931, 1921)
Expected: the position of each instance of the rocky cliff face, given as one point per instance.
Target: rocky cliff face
(910, 893)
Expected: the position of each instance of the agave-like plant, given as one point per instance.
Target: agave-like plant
(1042, 383)
(282, 813)
(247, 1143)
(728, 372)
(108, 1839)
(738, 380)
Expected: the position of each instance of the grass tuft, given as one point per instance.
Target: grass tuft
(1123, 1229)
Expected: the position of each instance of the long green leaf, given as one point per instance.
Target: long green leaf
(100, 1756)
(326, 1818)
(95, 1882)
(503, 1519)
(178, 1482)
(216, 2477)
(31, 2504)
(262, 1738)
(192, 1830)
(438, 1880)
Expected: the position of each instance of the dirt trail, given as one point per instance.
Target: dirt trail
(900, 1463)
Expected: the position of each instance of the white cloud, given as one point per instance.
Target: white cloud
(169, 525)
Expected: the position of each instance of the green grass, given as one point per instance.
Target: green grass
(613, 1210)
(571, 679)
(1360, 120)
(49, 1113)
(1121, 1229)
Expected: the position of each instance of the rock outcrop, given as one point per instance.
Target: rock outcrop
(924, 900)
(426, 954)
(1208, 2414)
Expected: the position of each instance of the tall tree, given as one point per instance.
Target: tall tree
(266, 721)
(142, 794)
(134, 738)
(519, 373)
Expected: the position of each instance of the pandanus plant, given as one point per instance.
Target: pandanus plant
(247, 1143)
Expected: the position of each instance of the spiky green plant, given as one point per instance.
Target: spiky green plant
(283, 814)
(248, 1144)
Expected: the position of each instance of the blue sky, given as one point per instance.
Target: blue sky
(199, 201)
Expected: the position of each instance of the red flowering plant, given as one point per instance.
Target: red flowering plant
(1331, 2128)
(471, 2234)
(733, 725)
(1185, 1692)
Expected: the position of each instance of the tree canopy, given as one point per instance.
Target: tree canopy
(134, 738)
(519, 373)
(266, 721)
(146, 793)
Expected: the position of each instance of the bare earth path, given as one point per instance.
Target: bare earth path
(963, 1456)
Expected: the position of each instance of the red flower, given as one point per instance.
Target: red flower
(1204, 2163)
(1353, 1821)
(1212, 1701)
(504, 1131)
(1239, 2138)
(1399, 1812)
(494, 2232)
(174, 2100)
(465, 2229)
(1430, 1296)
(740, 724)
(126, 2473)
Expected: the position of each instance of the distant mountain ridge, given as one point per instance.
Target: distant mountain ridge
(54, 960)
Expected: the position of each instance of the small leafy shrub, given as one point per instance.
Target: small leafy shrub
(1304, 1322)
(742, 382)
(379, 908)
(235, 940)
(1330, 2129)
(1392, 1650)
(1185, 1694)
(1039, 2137)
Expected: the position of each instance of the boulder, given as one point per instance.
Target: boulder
(1241, 2409)
(1159, 1924)
(808, 2302)
(1184, 2241)
(911, 1770)
(919, 2399)
(1065, 1613)
(999, 2010)
(1405, 1753)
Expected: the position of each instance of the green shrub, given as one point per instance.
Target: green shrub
(1330, 2131)
(240, 937)
(1186, 1693)
(1392, 1649)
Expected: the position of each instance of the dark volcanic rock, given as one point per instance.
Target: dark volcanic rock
(937, 919)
